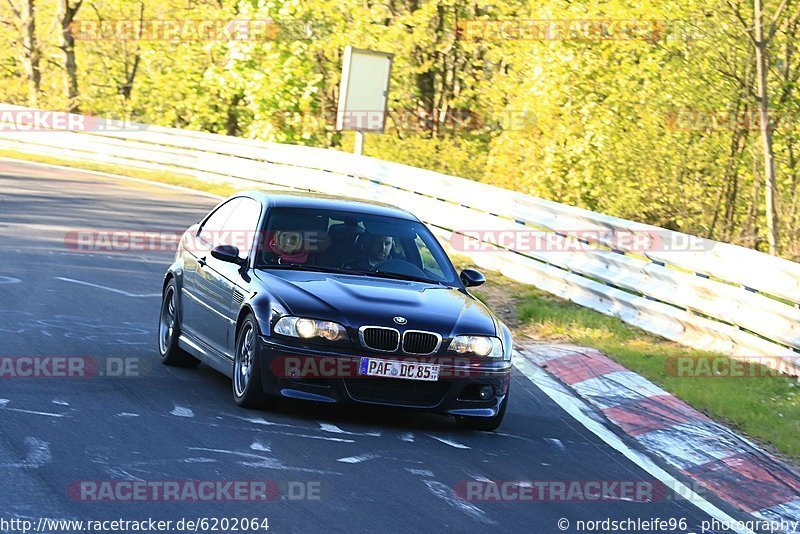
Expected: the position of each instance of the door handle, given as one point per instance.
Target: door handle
(202, 261)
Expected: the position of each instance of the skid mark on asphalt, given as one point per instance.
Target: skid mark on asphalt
(448, 495)
(266, 462)
(450, 442)
(38, 455)
(120, 473)
(73, 327)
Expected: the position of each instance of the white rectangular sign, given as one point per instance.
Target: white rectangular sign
(364, 90)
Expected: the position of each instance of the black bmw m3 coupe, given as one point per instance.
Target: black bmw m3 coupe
(333, 300)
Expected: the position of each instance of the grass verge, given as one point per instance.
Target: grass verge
(761, 405)
(766, 408)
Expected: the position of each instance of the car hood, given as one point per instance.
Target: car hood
(358, 300)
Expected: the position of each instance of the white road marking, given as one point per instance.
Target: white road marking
(258, 446)
(264, 422)
(9, 280)
(308, 436)
(182, 411)
(358, 459)
(407, 436)
(446, 494)
(479, 478)
(98, 286)
(60, 402)
(420, 472)
(450, 442)
(579, 411)
(127, 414)
(233, 453)
(4, 402)
(556, 442)
(327, 427)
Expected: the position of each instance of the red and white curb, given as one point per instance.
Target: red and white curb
(709, 453)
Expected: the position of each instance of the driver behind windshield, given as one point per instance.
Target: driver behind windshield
(377, 249)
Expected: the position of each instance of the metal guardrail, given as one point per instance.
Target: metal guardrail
(716, 297)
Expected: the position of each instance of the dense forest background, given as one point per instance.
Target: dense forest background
(682, 114)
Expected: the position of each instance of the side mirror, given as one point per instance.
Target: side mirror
(472, 278)
(227, 253)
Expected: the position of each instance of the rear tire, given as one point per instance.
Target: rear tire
(248, 390)
(169, 331)
(485, 424)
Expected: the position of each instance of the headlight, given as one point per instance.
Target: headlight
(484, 346)
(310, 328)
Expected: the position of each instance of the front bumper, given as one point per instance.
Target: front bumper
(453, 394)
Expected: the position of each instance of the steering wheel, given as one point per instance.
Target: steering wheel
(399, 266)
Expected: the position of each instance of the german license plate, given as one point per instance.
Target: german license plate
(396, 369)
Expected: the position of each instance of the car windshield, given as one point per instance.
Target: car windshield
(352, 243)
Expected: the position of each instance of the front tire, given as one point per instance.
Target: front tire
(248, 389)
(485, 424)
(169, 331)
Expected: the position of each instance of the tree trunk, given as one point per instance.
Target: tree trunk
(66, 14)
(765, 127)
(27, 15)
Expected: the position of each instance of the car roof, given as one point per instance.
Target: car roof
(291, 199)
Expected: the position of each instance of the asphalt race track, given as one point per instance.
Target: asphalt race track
(373, 470)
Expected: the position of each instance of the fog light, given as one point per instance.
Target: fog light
(486, 392)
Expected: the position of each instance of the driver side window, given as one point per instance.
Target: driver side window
(211, 231)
